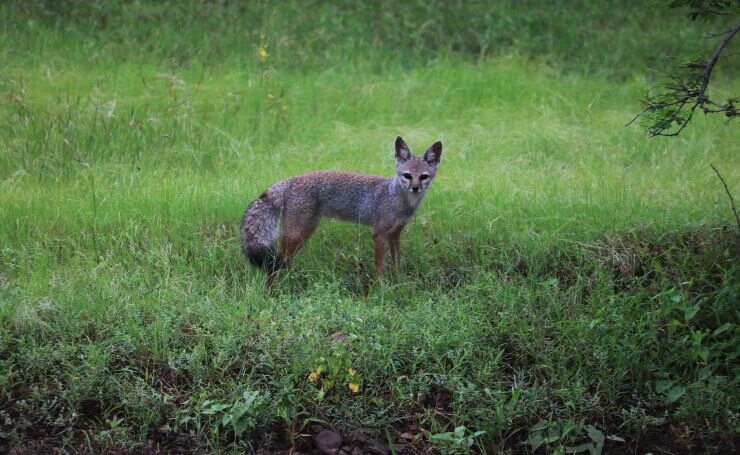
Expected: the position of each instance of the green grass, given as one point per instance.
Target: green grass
(565, 275)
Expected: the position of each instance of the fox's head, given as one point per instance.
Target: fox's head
(416, 172)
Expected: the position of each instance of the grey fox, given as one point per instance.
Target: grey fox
(295, 206)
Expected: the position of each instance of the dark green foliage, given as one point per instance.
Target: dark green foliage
(573, 35)
(707, 10)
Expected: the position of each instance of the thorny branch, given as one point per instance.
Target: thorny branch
(687, 91)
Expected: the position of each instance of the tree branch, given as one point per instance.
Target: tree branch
(715, 57)
(732, 201)
(668, 107)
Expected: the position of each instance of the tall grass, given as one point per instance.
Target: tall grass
(566, 277)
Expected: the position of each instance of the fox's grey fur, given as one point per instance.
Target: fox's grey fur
(295, 206)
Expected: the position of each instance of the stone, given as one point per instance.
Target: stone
(358, 439)
(328, 442)
(375, 447)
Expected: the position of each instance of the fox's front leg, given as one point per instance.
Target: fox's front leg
(394, 241)
(380, 253)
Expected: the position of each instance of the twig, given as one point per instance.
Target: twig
(637, 116)
(714, 35)
(732, 201)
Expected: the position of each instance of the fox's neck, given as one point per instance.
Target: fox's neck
(411, 201)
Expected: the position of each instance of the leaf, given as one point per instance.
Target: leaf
(662, 386)
(514, 397)
(551, 438)
(214, 408)
(250, 397)
(580, 448)
(536, 442)
(675, 393)
(595, 435)
(239, 411)
(723, 328)
(241, 425)
(296, 367)
(615, 438)
(690, 312)
(539, 426)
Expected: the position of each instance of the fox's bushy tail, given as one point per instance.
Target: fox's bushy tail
(260, 228)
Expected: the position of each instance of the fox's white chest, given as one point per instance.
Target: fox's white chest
(414, 199)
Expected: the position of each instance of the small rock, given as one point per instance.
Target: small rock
(356, 451)
(347, 448)
(316, 428)
(328, 442)
(407, 436)
(375, 447)
(399, 448)
(358, 439)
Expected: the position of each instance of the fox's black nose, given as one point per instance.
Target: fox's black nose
(415, 189)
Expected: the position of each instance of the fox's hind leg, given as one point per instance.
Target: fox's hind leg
(294, 235)
(291, 241)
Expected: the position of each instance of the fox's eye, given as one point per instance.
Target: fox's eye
(423, 177)
(407, 176)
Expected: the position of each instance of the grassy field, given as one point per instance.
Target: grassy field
(569, 284)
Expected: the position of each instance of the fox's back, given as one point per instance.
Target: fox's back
(345, 195)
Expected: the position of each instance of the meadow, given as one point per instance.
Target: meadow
(570, 285)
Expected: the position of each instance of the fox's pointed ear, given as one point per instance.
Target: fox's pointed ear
(433, 153)
(402, 150)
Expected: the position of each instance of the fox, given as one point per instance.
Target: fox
(292, 209)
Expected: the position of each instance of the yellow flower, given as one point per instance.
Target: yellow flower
(312, 377)
(319, 369)
(271, 96)
(173, 87)
(351, 372)
(262, 52)
(354, 387)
